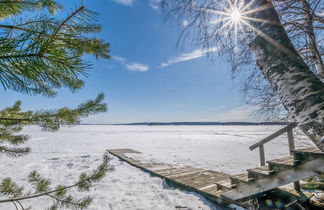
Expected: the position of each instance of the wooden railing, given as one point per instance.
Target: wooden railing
(261, 143)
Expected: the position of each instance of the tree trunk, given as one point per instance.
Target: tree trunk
(309, 29)
(299, 89)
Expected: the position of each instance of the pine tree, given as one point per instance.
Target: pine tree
(38, 55)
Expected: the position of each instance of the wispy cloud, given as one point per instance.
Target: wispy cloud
(155, 4)
(188, 56)
(118, 58)
(185, 23)
(132, 66)
(137, 67)
(124, 2)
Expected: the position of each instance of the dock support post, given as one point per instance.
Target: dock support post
(262, 156)
(291, 140)
(297, 186)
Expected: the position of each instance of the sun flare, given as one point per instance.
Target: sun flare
(234, 20)
(236, 15)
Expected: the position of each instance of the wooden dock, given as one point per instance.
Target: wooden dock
(242, 189)
(194, 179)
(227, 189)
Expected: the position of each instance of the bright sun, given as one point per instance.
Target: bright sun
(236, 15)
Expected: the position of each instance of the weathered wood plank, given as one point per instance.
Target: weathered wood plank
(240, 178)
(291, 141)
(195, 179)
(123, 151)
(272, 136)
(159, 167)
(263, 170)
(223, 188)
(262, 155)
(307, 154)
(311, 168)
(188, 178)
(297, 185)
(169, 171)
(186, 174)
(313, 150)
(287, 161)
(225, 184)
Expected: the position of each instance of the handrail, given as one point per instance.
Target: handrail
(272, 136)
(261, 143)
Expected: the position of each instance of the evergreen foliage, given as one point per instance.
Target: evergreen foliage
(43, 53)
(42, 187)
(38, 55)
(12, 120)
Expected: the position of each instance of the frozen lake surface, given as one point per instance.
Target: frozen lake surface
(63, 155)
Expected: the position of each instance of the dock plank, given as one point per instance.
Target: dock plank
(288, 161)
(194, 179)
(224, 188)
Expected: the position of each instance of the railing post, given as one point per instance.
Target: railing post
(297, 186)
(262, 156)
(291, 140)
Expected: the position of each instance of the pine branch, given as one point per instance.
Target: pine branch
(12, 119)
(45, 54)
(53, 119)
(14, 152)
(8, 134)
(68, 202)
(55, 33)
(9, 188)
(14, 7)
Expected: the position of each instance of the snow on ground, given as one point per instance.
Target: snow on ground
(63, 155)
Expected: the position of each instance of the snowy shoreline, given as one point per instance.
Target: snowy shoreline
(63, 155)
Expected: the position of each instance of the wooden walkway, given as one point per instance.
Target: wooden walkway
(242, 188)
(238, 189)
(195, 179)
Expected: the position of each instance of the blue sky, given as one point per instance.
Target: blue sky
(148, 78)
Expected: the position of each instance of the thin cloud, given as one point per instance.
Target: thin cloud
(125, 2)
(188, 56)
(185, 23)
(132, 66)
(118, 58)
(137, 67)
(155, 4)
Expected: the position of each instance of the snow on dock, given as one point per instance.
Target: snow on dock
(194, 179)
(237, 189)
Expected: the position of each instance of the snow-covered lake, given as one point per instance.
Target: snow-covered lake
(63, 155)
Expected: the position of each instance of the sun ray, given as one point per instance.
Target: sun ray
(230, 23)
(244, 8)
(219, 20)
(259, 20)
(234, 17)
(269, 39)
(256, 10)
(213, 11)
(235, 37)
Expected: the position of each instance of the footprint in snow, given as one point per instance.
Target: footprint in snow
(85, 156)
(69, 165)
